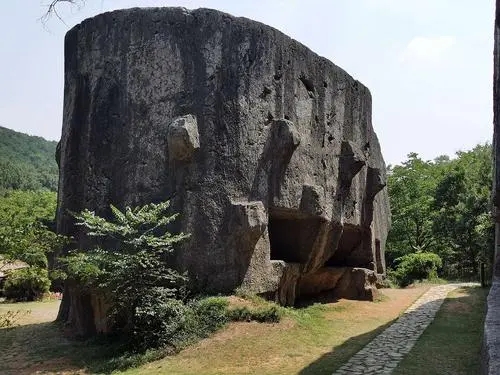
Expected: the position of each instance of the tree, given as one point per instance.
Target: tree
(25, 235)
(25, 217)
(462, 204)
(127, 269)
(411, 186)
(53, 8)
(442, 206)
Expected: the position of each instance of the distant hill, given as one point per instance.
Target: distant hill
(26, 162)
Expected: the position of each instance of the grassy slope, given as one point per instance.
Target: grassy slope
(315, 340)
(27, 162)
(312, 340)
(451, 345)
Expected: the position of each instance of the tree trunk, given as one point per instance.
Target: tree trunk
(76, 311)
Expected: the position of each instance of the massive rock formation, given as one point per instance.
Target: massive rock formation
(266, 149)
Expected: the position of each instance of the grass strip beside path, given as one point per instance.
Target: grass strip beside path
(451, 345)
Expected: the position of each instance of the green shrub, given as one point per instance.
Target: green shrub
(240, 314)
(158, 319)
(416, 266)
(27, 284)
(267, 314)
(211, 314)
(161, 321)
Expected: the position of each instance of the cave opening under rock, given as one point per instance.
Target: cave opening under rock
(292, 235)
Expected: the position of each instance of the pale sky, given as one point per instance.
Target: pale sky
(427, 63)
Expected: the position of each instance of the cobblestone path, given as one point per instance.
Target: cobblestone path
(384, 352)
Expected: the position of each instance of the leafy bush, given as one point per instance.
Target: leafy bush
(211, 314)
(158, 320)
(416, 266)
(240, 314)
(27, 284)
(161, 321)
(267, 314)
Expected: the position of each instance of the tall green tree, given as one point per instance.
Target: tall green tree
(129, 269)
(411, 186)
(463, 221)
(442, 206)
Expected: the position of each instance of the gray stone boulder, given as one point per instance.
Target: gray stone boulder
(266, 149)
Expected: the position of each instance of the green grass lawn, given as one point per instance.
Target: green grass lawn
(451, 345)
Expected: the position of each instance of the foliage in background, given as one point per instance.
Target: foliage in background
(443, 206)
(26, 223)
(25, 218)
(26, 162)
(416, 266)
(28, 181)
(27, 284)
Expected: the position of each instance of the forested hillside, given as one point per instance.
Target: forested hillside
(26, 162)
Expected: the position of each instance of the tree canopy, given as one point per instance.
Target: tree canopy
(26, 220)
(443, 206)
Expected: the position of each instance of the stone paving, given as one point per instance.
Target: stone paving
(384, 352)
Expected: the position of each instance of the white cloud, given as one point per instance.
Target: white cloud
(427, 50)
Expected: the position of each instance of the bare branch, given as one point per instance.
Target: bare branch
(53, 7)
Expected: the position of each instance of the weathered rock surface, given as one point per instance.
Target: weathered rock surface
(266, 149)
(491, 338)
